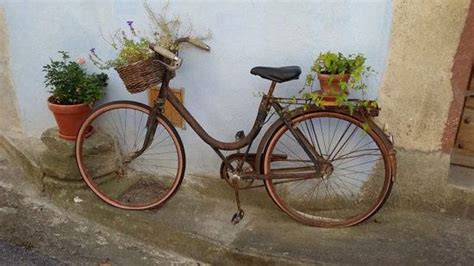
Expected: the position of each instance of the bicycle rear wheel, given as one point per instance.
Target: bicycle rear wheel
(358, 180)
(106, 162)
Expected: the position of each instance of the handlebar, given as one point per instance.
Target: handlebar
(194, 41)
(175, 60)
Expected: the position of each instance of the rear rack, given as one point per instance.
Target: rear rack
(330, 104)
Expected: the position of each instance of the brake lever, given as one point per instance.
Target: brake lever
(172, 67)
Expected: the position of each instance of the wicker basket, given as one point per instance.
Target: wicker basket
(141, 75)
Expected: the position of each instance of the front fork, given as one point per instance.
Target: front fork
(151, 126)
(152, 122)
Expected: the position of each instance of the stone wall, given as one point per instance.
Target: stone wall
(9, 119)
(416, 94)
(416, 89)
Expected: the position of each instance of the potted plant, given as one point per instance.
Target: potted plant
(338, 73)
(73, 91)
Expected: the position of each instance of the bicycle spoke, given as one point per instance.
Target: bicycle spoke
(344, 144)
(322, 136)
(334, 133)
(311, 137)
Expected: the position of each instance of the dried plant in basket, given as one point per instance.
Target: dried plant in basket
(136, 64)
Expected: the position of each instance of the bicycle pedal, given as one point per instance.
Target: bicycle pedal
(237, 217)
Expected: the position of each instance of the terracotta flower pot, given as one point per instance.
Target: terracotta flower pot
(330, 84)
(69, 118)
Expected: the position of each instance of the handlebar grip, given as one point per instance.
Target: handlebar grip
(164, 52)
(199, 44)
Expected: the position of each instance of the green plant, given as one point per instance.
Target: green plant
(70, 84)
(337, 64)
(130, 48)
(330, 63)
(133, 47)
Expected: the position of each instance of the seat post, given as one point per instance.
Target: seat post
(271, 89)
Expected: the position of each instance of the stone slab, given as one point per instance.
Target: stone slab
(59, 161)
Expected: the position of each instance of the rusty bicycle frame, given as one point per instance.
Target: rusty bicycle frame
(320, 167)
(267, 102)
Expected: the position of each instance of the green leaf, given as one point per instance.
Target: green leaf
(366, 127)
(70, 84)
(351, 107)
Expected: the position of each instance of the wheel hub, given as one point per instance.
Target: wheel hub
(326, 170)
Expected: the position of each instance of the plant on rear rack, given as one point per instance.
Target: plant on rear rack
(337, 74)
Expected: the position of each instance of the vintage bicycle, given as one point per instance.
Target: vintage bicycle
(320, 165)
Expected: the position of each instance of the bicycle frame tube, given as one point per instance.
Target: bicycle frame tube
(151, 122)
(315, 157)
(214, 143)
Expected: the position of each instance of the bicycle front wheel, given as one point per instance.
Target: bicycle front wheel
(107, 161)
(357, 176)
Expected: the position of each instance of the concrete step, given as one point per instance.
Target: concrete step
(24, 151)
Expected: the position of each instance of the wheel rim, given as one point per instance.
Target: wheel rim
(105, 159)
(357, 184)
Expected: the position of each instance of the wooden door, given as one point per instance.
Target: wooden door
(463, 153)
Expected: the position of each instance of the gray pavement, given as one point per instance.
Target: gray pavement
(18, 255)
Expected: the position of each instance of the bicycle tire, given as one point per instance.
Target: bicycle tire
(321, 214)
(131, 184)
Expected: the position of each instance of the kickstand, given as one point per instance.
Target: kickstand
(239, 215)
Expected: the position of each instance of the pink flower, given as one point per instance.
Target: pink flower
(81, 60)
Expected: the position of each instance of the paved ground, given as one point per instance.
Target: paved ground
(196, 224)
(35, 232)
(18, 255)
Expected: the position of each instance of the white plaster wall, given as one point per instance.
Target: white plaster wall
(220, 92)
